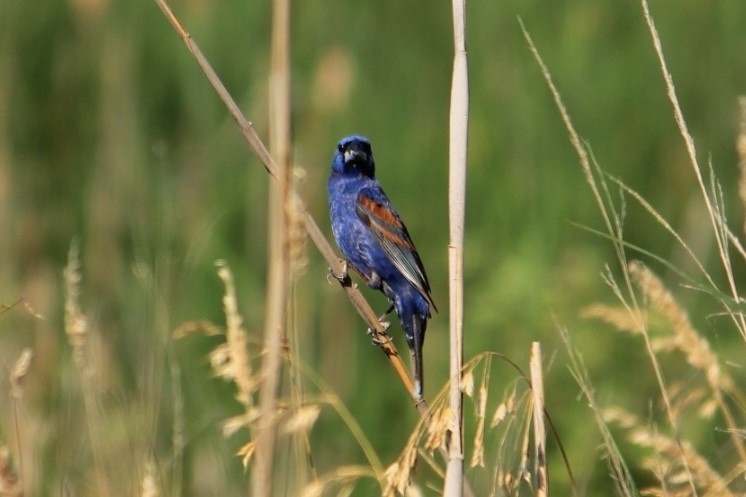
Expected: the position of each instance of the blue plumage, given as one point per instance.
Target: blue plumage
(375, 242)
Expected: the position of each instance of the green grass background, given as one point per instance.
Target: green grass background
(111, 135)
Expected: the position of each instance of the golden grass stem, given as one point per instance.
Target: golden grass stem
(278, 287)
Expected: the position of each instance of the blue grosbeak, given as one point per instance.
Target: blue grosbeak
(376, 244)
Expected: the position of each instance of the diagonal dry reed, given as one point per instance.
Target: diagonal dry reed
(311, 227)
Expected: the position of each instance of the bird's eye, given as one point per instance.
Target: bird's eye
(341, 148)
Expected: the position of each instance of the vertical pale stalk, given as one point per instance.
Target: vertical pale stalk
(279, 259)
(458, 134)
(541, 485)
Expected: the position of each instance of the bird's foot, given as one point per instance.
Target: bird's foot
(343, 276)
(380, 338)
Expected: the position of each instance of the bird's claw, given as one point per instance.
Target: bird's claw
(343, 276)
(375, 335)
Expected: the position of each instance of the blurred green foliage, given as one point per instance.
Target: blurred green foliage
(110, 134)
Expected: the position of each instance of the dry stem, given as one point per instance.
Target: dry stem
(459, 119)
(540, 433)
(279, 263)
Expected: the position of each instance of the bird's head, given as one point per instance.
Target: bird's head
(354, 156)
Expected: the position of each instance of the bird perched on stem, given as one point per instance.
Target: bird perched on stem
(377, 245)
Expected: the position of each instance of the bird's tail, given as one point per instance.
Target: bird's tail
(415, 339)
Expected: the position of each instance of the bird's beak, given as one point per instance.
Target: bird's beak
(352, 155)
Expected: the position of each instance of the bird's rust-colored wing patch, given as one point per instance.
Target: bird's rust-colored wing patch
(382, 219)
(388, 230)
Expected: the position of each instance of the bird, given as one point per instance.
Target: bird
(377, 245)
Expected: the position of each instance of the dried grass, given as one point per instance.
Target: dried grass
(19, 372)
(691, 470)
(683, 337)
(79, 335)
(76, 325)
(398, 475)
(679, 336)
(149, 482)
(10, 485)
(232, 361)
(342, 479)
(674, 478)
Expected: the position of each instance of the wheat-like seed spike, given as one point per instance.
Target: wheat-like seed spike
(76, 325)
(618, 317)
(686, 339)
(19, 372)
(706, 478)
(236, 340)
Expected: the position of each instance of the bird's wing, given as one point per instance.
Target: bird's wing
(375, 210)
